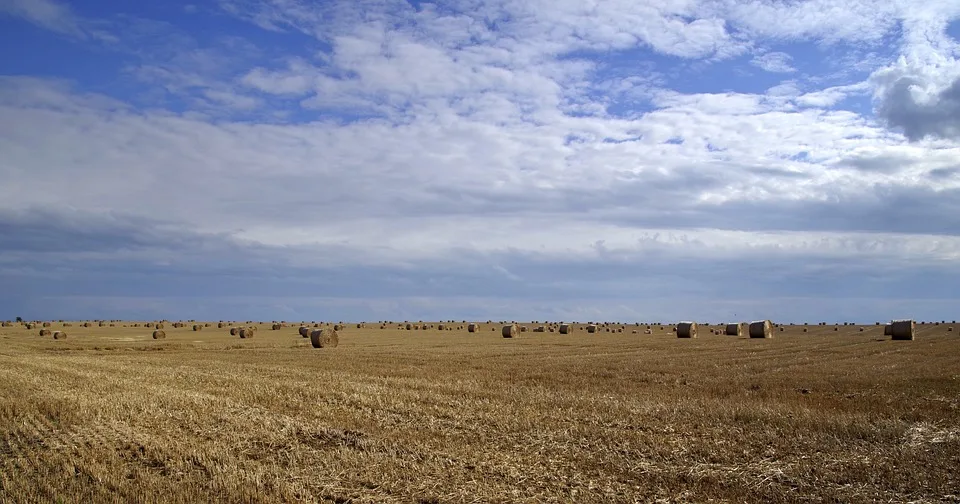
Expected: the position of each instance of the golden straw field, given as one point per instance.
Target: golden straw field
(425, 416)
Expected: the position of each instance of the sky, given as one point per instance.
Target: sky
(618, 160)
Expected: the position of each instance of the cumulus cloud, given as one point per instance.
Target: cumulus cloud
(775, 62)
(402, 153)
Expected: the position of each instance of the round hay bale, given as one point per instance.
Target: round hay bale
(888, 330)
(903, 329)
(29, 326)
(761, 329)
(510, 331)
(85, 324)
(441, 327)
(591, 328)
(861, 329)
(324, 338)
(159, 334)
(338, 327)
(950, 329)
(409, 326)
(734, 329)
(234, 331)
(46, 324)
(276, 327)
(566, 329)
(219, 325)
(59, 335)
(686, 330)
(304, 331)
(647, 331)
(473, 327)
(44, 332)
(247, 332)
(158, 326)
(523, 328)
(197, 327)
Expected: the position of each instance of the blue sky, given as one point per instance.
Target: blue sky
(480, 159)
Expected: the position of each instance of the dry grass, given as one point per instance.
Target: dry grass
(113, 415)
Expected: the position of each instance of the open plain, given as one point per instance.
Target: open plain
(815, 414)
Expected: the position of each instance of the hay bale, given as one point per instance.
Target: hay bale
(950, 329)
(473, 327)
(247, 332)
(647, 331)
(59, 335)
(686, 330)
(234, 331)
(761, 329)
(276, 327)
(324, 338)
(304, 331)
(409, 326)
(46, 324)
(219, 325)
(888, 330)
(734, 329)
(566, 329)
(197, 327)
(591, 328)
(159, 334)
(510, 331)
(523, 328)
(338, 327)
(158, 326)
(441, 327)
(44, 332)
(903, 329)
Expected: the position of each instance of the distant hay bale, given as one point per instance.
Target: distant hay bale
(220, 325)
(85, 324)
(409, 326)
(46, 324)
(441, 327)
(159, 334)
(44, 332)
(247, 332)
(510, 331)
(540, 329)
(566, 329)
(99, 324)
(234, 331)
(647, 331)
(686, 330)
(591, 328)
(360, 326)
(324, 338)
(473, 327)
(804, 329)
(761, 329)
(158, 326)
(734, 330)
(59, 335)
(888, 330)
(304, 331)
(29, 326)
(197, 327)
(276, 327)
(950, 329)
(523, 328)
(634, 331)
(861, 329)
(903, 329)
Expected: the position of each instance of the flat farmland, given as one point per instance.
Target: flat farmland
(110, 414)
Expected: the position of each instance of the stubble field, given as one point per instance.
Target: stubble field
(390, 415)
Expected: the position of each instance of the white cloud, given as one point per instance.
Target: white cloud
(50, 14)
(776, 62)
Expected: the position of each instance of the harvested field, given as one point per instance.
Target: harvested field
(111, 414)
